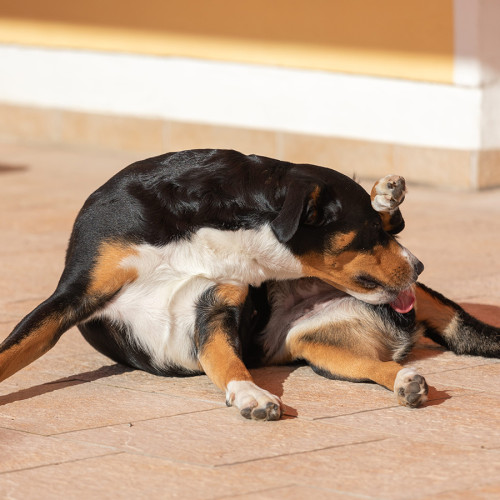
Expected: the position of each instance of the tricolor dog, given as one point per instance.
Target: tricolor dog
(206, 261)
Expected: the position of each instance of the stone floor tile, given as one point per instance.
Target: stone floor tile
(297, 493)
(20, 450)
(389, 469)
(36, 378)
(469, 420)
(22, 288)
(308, 395)
(195, 387)
(125, 476)
(73, 404)
(480, 378)
(486, 492)
(428, 358)
(303, 393)
(221, 437)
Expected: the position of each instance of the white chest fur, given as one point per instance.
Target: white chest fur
(159, 307)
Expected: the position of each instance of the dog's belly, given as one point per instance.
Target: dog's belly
(310, 307)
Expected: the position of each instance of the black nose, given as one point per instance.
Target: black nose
(419, 267)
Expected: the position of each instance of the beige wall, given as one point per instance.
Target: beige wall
(411, 39)
(437, 134)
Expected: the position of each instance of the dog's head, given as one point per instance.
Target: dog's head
(328, 222)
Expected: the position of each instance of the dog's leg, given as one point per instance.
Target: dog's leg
(219, 353)
(77, 297)
(448, 324)
(387, 194)
(331, 361)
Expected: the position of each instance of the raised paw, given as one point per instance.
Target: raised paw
(410, 388)
(252, 401)
(388, 193)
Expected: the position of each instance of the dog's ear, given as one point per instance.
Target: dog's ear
(305, 203)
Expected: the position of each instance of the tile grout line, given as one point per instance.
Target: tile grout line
(356, 443)
(390, 435)
(271, 457)
(255, 492)
(355, 413)
(61, 463)
(130, 423)
(294, 485)
(463, 368)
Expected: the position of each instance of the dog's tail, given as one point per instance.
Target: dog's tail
(449, 325)
(39, 331)
(77, 297)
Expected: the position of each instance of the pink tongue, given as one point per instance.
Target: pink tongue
(404, 301)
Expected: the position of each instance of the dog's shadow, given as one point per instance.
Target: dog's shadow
(272, 379)
(6, 168)
(62, 383)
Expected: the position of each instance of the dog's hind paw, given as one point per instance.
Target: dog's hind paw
(252, 401)
(388, 193)
(410, 388)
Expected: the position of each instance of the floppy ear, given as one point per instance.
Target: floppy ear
(303, 203)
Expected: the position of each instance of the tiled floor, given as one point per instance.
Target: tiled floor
(75, 425)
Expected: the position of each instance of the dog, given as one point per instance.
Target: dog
(210, 261)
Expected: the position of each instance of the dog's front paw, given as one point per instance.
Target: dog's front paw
(388, 193)
(410, 388)
(252, 401)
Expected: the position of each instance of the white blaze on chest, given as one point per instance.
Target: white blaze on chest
(159, 307)
(247, 256)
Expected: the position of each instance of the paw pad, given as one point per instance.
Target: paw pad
(411, 388)
(253, 402)
(388, 193)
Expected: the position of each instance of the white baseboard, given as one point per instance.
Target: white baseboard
(243, 95)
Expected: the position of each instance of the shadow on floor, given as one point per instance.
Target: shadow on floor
(80, 378)
(272, 379)
(10, 169)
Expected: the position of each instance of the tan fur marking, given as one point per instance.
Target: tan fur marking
(386, 221)
(345, 363)
(219, 361)
(340, 241)
(436, 314)
(359, 340)
(34, 345)
(374, 191)
(315, 194)
(233, 295)
(107, 275)
(313, 202)
(384, 263)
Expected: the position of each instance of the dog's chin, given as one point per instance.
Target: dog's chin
(401, 301)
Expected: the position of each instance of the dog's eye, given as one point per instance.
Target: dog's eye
(377, 224)
(367, 281)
